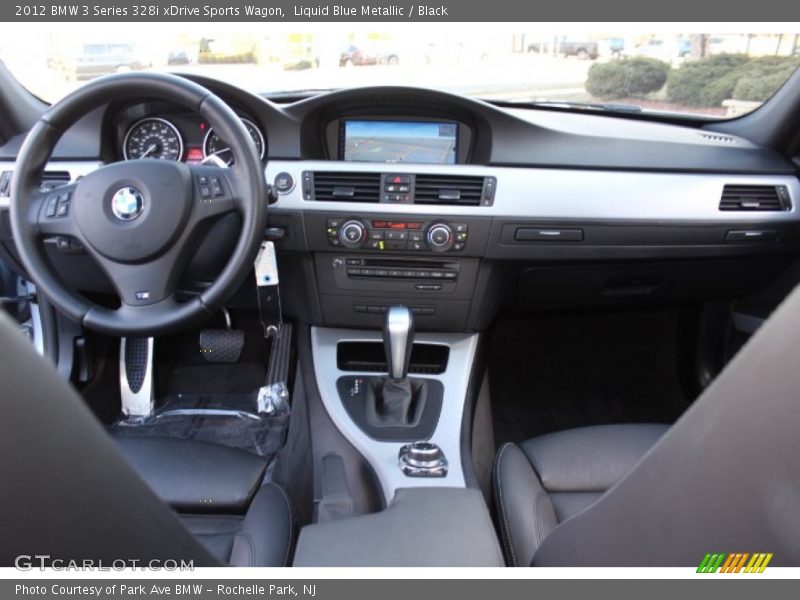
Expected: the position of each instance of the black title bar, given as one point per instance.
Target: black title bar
(394, 11)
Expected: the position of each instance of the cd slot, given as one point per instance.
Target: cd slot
(404, 264)
(401, 269)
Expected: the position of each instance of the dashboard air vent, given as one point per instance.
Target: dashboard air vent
(458, 190)
(335, 186)
(54, 179)
(755, 197)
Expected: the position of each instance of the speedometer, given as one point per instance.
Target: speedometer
(213, 144)
(153, 137)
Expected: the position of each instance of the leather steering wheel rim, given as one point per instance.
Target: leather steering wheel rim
(166, 196)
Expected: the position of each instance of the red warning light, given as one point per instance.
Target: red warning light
(194, 155)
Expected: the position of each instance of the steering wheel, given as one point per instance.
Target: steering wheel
(137, 219)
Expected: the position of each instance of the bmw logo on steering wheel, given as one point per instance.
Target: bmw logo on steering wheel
(127, 203)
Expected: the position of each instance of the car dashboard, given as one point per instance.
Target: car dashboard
(459, 208)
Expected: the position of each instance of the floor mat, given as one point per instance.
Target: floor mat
(258, 433)
(181, 367)
(561, 371)
(215, 380)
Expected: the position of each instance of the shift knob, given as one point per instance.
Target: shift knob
(398, 338)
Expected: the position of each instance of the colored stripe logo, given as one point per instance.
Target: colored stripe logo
(738, 562)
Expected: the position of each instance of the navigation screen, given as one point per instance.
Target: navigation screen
(399, 142)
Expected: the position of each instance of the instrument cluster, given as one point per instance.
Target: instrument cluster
(182, 137)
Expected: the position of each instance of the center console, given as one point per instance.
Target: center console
(422, 527)
(382, 426)
(365, 263)
(396, 395)
(404, 414)
(391, 234)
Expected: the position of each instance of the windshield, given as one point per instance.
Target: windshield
(711, 74)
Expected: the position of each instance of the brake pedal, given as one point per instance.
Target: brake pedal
(221, 345)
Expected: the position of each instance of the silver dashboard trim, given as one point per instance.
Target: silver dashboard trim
(383, 456)
(535, 193)
(546, 193)
(74, 168)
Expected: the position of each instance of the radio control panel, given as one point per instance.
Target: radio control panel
(354, 233)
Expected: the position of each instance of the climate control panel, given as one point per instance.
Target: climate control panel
(356, 233)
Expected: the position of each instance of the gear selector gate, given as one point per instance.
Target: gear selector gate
(394, 407)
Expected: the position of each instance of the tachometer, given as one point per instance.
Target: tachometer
(213, 144)
(153, 137)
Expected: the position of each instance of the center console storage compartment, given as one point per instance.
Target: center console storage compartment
(422, 527)
(428, 359)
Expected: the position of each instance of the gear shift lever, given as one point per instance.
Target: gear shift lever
(398, 337)
(396, 400)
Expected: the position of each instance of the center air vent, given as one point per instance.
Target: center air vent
(405, 188)
(460, 190)
(755, 198)
(335, 186)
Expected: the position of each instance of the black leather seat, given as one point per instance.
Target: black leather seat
(219, 495)
(544, 481)
(80, 494)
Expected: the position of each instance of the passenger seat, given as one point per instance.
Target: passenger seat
(545, 480)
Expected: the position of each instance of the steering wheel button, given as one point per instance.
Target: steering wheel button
(216, 186)
(50, 210)
(205, 191)
(202, 180)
